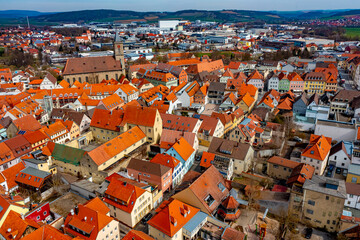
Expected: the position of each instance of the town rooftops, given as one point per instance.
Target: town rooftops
(229, 148)
(166, 160)
(116, 145)
(179, 123)
(65, 153)
(88, 220)
(106, 119)
(122, 195)
(32, 177)
(27, 123)
(137, 235)
(318, 148)
(142, 116)
(354, 169)
(171, 216)
(91, 65)
(352, 188)
(14, 227)
(345, 96)
(328, 186)
(282, 162)
(47, 232)
(148, 167)
(209, 189)
(300, 173)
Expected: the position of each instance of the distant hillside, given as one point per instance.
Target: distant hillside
(15, 17)
(311, 14)
(20, 13)
(115, 15)
(347, 13)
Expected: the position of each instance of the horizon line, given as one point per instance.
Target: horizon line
(304, 10)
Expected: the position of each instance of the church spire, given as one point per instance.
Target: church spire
(119, 50)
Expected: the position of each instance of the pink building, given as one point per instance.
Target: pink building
(296, 82)
(152, 173)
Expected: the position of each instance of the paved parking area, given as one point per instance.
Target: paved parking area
(317, 234)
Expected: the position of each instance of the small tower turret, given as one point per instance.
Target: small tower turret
(119, 51)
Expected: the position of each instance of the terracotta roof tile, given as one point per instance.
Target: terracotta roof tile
(137, 235)
(124, 192)
(169, 218)
(318, 148)
(283, 162)
(116, 145)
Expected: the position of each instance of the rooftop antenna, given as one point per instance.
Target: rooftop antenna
(27, 18)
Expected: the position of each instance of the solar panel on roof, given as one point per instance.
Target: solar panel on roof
(22, 132)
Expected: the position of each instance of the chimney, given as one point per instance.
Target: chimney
(76, 209)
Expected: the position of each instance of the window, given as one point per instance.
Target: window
(209, 200)
(311, 202)
(221, 187)
(309, 211)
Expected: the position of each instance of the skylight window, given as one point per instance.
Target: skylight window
(209, 200)
(221, 187)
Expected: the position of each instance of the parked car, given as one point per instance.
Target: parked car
(146, 218)
(297, 139)
(308, 233)
(338, 170)
(328, 173)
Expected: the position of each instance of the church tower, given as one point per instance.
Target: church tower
(119, 51)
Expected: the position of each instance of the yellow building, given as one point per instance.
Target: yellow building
(246, 103)
(230, 121)
(353, 175)
(280, 168)
(109, 154)
(107, 125)
(315, 82)
(7, 204)
(127, 202)
(65, 158)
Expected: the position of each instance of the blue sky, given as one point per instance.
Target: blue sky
(173, 5)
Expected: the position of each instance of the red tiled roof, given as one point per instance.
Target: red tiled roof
(171, 217)
(137, 235)
(47, 232)
(89, 220)
(283, 162)
(10, 174)
(106, 119)
(27, 123)
(166, 160)
(116, 145)
(318, 148)
(142, 116)
(14, 227)
(206, 159)
(123, 192)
